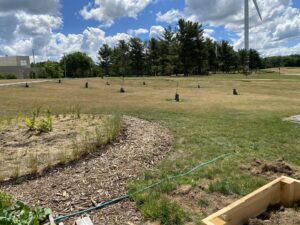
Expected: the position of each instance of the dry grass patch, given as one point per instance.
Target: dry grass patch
(286, 70)
(28, 151)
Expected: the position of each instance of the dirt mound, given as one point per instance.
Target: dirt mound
(272, 170)
(100, 177)
(277, 215)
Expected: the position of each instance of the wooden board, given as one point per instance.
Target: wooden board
(283, 190)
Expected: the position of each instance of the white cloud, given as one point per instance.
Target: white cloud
(36, 24)
(138, 32)
(208, 33)
(53, 46)
(156, 31)
(106, 11)
(26, 28)
(281, 21)
(171, 16)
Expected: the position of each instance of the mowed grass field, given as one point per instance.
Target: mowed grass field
(208, 122)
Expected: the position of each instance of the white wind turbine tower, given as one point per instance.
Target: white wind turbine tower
(247, 25)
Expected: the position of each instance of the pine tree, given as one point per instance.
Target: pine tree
(105, 54)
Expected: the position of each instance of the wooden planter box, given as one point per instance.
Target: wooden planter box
(284, 190)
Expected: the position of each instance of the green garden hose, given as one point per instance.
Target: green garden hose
(124, 197)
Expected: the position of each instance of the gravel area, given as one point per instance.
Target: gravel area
(99, 177)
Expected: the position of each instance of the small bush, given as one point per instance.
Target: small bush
(11, 76)
(43, 125)
(30, 122)
(2, 77)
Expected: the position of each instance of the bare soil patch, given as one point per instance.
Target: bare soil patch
(272, 170)
(199, 202)
(277, 215)
(101, 176)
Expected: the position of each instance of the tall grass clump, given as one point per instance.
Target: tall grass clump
(90, 141)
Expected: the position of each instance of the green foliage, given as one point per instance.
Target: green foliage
(105, 54)
(236, 184)
(5, 201)
(282, 61)
(11, 76)
(43, 124)
(31, 122)
(156, 207)
(48, 69)
(19, 213)
(8, 76)
(137, 56)
(120, 59)
(78, 64)
(191, 43)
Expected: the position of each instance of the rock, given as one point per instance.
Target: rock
(184, 189)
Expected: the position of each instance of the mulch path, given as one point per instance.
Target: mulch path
(99, 177)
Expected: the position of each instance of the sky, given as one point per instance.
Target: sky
(52, 28)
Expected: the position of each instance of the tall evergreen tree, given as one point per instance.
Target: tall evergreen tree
(212, 51)
(228, 57)
(120, 59)
(254, 60)
(104, 56)
(153, 56)
(190, 38)
(137, 56)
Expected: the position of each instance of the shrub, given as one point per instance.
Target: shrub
(30, 122)
(2, 77)
(11, 76)
(42, 125)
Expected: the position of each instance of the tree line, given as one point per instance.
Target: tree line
(180, 50)
(282, 61)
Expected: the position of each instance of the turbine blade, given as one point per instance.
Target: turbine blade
(257, 9)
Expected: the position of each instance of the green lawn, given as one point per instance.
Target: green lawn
(209, 121)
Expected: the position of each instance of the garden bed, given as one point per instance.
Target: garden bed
(61, 139)
(100, 176)
(277, 214)
(283, 191)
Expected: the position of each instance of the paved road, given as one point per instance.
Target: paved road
(24, 82)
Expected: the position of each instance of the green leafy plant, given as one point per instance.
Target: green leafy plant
(31, 122)
(42, 125)
(19, 213)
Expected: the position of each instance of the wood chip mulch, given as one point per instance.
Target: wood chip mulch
(99, 177)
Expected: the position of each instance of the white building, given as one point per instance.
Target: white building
(17, 65)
